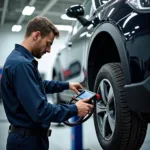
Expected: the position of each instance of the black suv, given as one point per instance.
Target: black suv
(108, 51)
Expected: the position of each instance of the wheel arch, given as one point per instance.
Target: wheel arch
(106, 37)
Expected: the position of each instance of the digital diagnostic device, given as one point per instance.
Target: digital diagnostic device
(86, 94)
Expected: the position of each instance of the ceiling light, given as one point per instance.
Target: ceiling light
(87, 16)
(137, 27)
(16, 28)
(64, 27)
(83, 34)
(111, 11)
(65, 17)
(28, 10)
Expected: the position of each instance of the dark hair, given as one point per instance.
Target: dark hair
(42, 24)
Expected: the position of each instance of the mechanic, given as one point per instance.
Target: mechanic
(24, 93)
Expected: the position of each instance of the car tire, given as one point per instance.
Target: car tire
(117, 127)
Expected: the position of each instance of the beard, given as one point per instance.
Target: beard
(37, 51)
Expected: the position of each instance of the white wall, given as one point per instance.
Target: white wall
(8, 40)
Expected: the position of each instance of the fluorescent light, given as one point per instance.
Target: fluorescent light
(133, 14)
(28, 10)
(89, 35)
(127, 33)
(104, 2)
(64, 27)
(90, 26)
(87, 16)
(65, 17)
(16, 28)
(83, 34)
(111, 11)
(137, 27)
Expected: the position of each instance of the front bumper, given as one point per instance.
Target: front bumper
(138, 96)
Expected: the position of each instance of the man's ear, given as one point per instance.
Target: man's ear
(36, 35)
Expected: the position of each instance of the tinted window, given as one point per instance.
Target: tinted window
(76, 27)
(87, 9)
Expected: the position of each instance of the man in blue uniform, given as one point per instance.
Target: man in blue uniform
(24, 93)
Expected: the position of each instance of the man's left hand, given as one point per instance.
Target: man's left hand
(75, 86)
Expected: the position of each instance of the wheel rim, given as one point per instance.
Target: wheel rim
(105, 110)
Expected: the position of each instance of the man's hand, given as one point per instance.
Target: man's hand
(83, 107)
(75, 86)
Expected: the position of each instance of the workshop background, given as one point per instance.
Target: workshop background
(11, 15)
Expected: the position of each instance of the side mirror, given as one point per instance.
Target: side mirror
(77, 11)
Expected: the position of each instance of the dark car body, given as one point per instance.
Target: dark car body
(0, 83)
(111, 31)
(125, 33)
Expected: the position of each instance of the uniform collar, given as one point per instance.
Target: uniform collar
(26, 53)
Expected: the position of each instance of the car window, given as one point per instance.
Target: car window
(87, 9)
(76, 27)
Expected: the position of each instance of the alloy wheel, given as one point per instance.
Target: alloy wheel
(105, 109)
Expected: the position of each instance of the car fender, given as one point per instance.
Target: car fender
(115, 33)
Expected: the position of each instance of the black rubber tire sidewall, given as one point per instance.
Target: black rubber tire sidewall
(106, 72)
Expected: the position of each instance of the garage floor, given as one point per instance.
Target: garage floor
(63, 134)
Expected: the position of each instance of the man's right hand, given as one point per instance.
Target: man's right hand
(83, 107)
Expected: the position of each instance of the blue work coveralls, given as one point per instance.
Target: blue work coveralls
(25, 101)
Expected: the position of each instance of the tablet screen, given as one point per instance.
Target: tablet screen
(85, 95)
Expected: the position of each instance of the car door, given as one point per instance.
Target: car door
(60, 65)
(76, 51)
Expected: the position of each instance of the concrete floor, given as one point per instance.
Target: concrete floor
(61, 136)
